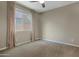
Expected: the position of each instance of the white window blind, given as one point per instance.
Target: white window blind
(23, 21)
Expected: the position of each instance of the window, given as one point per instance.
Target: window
(22, 21)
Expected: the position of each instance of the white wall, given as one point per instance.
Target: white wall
(61, 24)
(3, 24)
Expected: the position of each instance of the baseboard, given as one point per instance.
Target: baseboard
(26, 42)
(2, 49)
(37, 39)
(61, 42)
(22, 43)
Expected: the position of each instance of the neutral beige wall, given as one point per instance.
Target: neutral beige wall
(36, 25)
(23, 37)
(3, 24)
(61, 24)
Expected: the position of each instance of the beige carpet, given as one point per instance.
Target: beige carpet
(42, 48)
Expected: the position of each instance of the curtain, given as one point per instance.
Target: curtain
(10, 24)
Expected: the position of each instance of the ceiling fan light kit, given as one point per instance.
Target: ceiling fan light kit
(42, 3)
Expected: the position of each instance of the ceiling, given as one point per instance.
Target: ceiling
(36, 6)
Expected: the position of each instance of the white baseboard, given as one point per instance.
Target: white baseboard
(61, 42)
(1, 49)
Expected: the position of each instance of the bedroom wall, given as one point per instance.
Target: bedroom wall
(36, 25)
(61, 24)
(3, 24)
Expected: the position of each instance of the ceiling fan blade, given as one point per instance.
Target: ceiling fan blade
(43, 5)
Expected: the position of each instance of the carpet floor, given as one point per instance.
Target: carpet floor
(42, 48)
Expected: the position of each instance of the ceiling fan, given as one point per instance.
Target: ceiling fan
(41, 2)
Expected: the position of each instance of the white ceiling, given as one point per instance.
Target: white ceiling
(49, 5)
